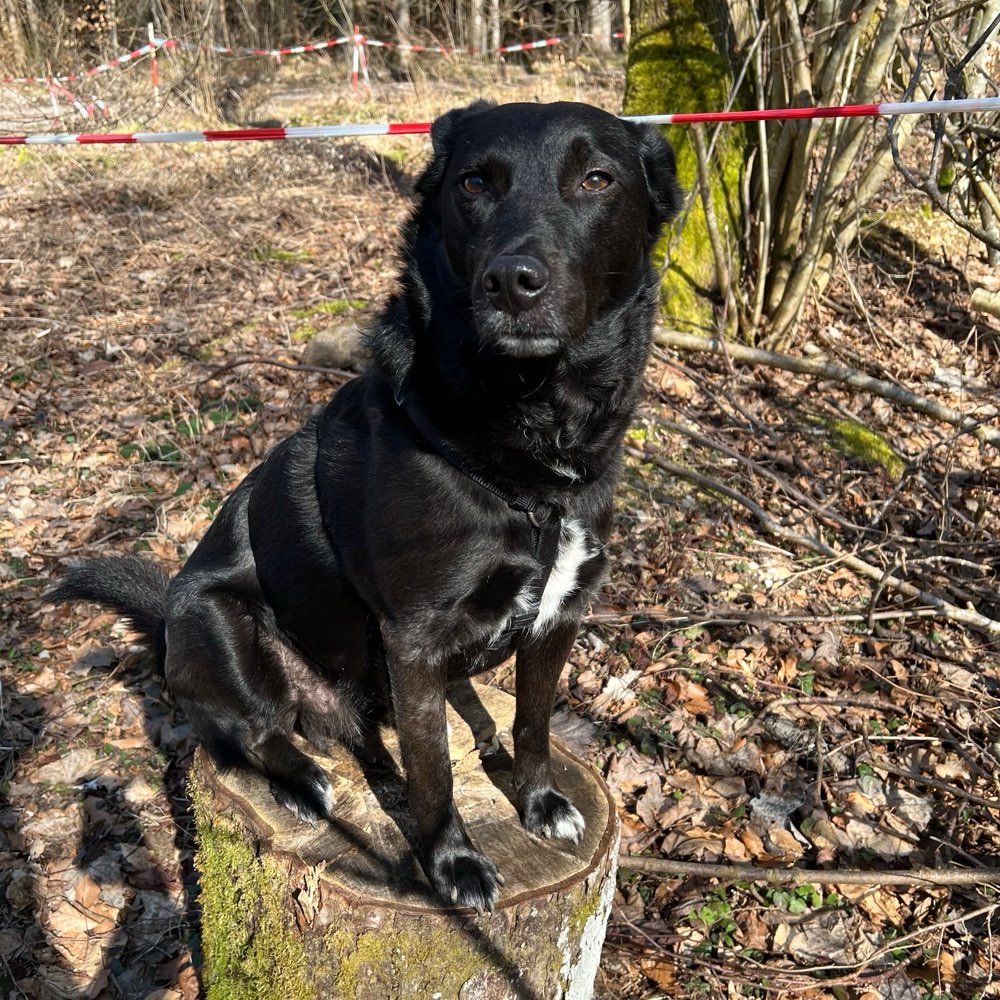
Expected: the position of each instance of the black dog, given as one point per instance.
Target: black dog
(448, 508)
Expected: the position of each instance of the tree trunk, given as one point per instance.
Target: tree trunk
(677, 57)
(291, 910)
(600, 24)
(980, 78)
(401, 56)
(478, 21)
(840, 160)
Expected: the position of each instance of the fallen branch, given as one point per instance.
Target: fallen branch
(805, 876)
(275, 363)
(830, 370)
(759, 619)
(984, 301)
(883, 578)
(783, 484)
(949, 787)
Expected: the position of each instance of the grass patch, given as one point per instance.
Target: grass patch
(332, 308)
(267, 254)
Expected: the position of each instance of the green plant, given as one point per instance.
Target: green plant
(716, 918)
(797, 900)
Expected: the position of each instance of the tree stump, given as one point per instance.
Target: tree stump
(342, 909)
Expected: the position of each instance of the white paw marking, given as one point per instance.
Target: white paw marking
(324, 792)
(567, 826)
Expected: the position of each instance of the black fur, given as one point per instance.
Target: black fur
(356, 571)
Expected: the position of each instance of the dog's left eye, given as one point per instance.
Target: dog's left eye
(473, 183)
(596, 180)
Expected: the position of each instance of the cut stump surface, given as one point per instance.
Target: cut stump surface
(342, 909)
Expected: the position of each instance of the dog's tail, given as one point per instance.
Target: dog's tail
(135, 588)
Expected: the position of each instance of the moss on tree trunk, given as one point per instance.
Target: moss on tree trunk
(677, 62)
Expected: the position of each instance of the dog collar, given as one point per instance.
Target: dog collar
(525, 503)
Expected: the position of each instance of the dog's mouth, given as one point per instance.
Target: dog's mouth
(517, 339)
(517, 336)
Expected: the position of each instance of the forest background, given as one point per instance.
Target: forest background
(795, 663)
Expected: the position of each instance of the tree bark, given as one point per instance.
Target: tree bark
(342, 909)
(402, 54)
(600, 24)
(677, 61)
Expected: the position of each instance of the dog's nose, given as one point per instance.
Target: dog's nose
(515, 282)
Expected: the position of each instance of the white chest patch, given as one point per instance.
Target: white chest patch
(575, 548)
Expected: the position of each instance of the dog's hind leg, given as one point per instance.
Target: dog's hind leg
(237, 697)
(297, 782)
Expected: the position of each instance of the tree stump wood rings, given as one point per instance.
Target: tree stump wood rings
(342, 909)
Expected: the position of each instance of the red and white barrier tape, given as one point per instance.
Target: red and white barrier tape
(957, 106)
(289, 50)
(360, 39)
(359, 59)
(222, 135)
(542, 43)
(57, 90)
(888, 110)
(83, 74)
(524, 46)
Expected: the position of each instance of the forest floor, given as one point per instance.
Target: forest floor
(749, 698)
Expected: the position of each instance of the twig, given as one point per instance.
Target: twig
(783, 484)
(727, 616)
(893, 947)
(929, 186)
(805, 876)
(291, 366)
(875, 760)
(830, 370)
(723, 274)
(946, 609)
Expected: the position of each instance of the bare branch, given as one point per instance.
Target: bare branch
(806, 876)
(723, 274)
(831, 370)
(888, 580)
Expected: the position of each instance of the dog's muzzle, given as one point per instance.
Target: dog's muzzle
(515, 283)
(517, 306)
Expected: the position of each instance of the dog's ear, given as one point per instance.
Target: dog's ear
(443, 128)
(660, 167)
(443, 142)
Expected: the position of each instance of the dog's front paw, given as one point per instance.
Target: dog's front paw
(550, 814)
(464, 877)
(309, 795)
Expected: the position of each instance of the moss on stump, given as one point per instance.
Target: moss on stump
(342, 910)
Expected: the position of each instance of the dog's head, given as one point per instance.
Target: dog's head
(545, 216)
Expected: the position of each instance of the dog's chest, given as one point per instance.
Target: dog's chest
(576, 547)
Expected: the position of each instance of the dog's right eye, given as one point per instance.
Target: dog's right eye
(473, 183)
(596, 180)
